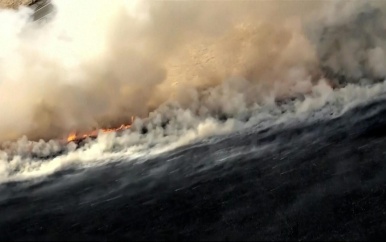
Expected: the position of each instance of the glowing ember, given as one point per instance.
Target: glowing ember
(93, 134)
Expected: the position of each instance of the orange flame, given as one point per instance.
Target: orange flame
(71, 137)
(74, 136)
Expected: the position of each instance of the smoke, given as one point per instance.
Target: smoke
(98, 63)
(190, 68)
(350, 40)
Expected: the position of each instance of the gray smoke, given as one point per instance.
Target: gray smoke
(350, 40)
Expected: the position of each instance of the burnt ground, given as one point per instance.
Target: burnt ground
(323, 180)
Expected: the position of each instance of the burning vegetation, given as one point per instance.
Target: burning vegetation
(78, 137)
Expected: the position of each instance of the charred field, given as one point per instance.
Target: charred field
(226, 189)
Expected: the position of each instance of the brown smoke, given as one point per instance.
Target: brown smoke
(178, 51)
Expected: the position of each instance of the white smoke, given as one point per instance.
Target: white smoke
(190, 69)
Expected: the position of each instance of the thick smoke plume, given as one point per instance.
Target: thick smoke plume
(100, 62)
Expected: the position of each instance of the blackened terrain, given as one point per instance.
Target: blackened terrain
(324, 180)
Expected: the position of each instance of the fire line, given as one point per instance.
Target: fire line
(74, 136)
